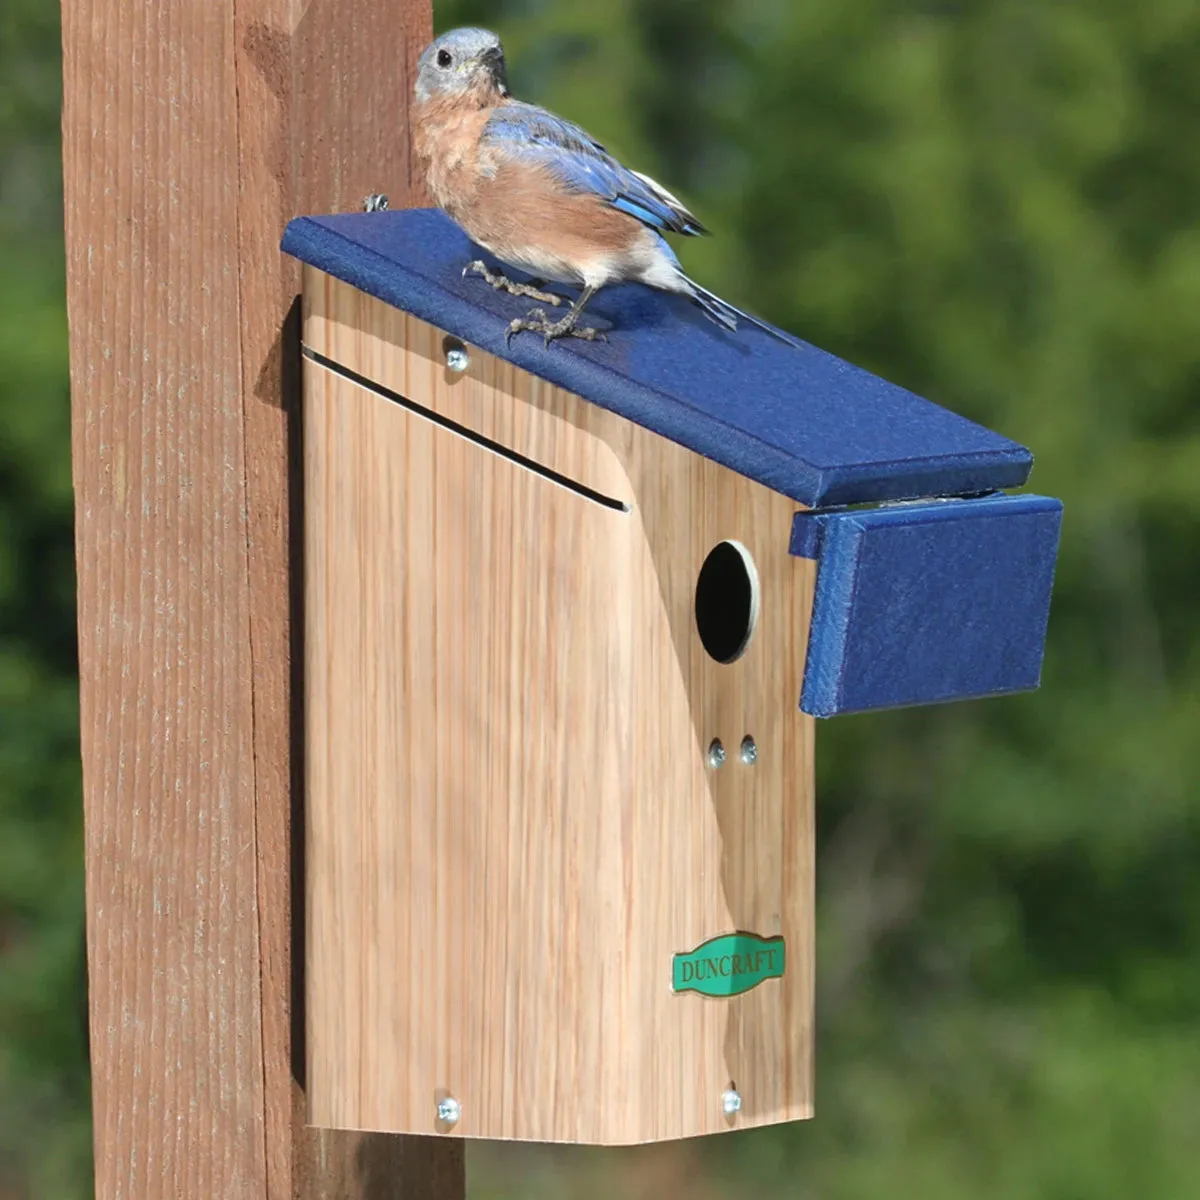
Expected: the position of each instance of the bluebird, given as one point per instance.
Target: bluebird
(541, 194)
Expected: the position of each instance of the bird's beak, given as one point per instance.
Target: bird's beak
(493, 62)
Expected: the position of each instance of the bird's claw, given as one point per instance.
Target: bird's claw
(499, 281)
(537, 322)
(375, 202)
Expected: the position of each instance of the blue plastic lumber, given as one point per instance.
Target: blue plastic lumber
(928, 602)
(797, 420)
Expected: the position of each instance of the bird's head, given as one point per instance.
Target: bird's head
(459, 63)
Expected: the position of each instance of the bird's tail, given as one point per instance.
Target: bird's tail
(725, 315)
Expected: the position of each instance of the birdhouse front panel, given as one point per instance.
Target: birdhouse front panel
(560, 829)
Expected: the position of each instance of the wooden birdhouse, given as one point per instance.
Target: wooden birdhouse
(570, 615)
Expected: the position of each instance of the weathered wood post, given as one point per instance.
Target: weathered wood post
(193, 130)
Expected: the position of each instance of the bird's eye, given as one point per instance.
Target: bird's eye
(444, 58)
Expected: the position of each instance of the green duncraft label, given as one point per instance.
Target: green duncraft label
(728, 965)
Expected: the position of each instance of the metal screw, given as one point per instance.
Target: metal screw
(449, 1110)
(457, 358)
(716, 753)
(730, 1101)
(749, 750)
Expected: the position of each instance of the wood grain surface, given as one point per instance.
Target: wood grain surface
(192, 131)
(512, 823)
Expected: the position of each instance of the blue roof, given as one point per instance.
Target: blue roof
(796, 419)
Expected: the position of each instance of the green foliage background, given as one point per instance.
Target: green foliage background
(44, 1131)
(994, 203)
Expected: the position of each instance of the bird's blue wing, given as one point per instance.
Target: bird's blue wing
(582, 164)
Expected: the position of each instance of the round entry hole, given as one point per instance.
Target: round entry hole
(727, 601)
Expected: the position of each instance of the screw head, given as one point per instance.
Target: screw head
(449, 1110)
(716, 753)
(457, 358)
(731, 1101)
(749, 750)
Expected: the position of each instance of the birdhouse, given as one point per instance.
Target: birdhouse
(571, 613)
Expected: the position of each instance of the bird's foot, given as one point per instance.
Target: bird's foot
(538, 322)
(375, 202)
(499, 281)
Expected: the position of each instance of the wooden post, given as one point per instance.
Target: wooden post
(193, 129)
